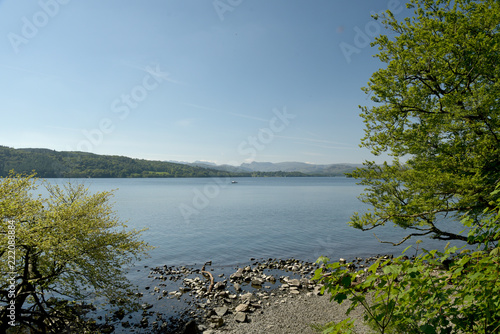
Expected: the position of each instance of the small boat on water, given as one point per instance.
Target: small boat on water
(234, 181)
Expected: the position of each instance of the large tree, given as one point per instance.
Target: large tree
(436, 110)
(68, 246)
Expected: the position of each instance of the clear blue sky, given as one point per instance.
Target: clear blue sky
(226, 81)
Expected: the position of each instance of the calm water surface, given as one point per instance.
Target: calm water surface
(191, 221)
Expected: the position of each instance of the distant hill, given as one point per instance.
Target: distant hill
(52, 164)
(49, 163)
(302, 167)
(288, 167)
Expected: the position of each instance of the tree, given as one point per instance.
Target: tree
(436, 111)
(60, 250)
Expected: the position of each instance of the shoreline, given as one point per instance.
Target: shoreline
(265, 295)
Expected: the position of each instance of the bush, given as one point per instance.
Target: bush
(455, 291)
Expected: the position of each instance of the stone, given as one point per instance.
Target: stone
(220, 285)
(146, 306)
(119, 314)
(240, 317)
(294, 282)
(184, 289)
(221, 311)
(317, 290)
(257, 281)
(216, 321)
(237, 286)
(242, 308)
(190, 328)
(237, 274)
(248, 297)
(144, 322)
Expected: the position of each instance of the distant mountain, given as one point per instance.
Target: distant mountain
(288, 167)
(226, 168)
(302, 167)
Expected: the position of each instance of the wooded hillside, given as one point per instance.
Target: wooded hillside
(49, 164)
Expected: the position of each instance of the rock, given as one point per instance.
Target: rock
(237, 274)
(294, 283)
(221, 311)
(216, 321)
(257, 281)
(242, 308)
(190, 328)
(146, 306)
(144, 322)
(119, 314)
(220, 285)
(342, 261)
(248, 297)
(317, 290)
(240, 317)
(237, 287)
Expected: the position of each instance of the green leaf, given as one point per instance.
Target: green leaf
(340, 297)
(346, 281)
(392, 269)
(428, 329)
(495, 251)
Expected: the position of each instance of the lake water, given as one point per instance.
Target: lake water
(191, 221)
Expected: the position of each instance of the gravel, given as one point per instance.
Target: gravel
(293, 314)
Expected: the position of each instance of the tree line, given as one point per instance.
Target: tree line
(53, 164)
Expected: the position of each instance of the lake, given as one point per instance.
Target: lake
(194, 220)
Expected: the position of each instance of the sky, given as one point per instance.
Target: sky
(225, 81)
